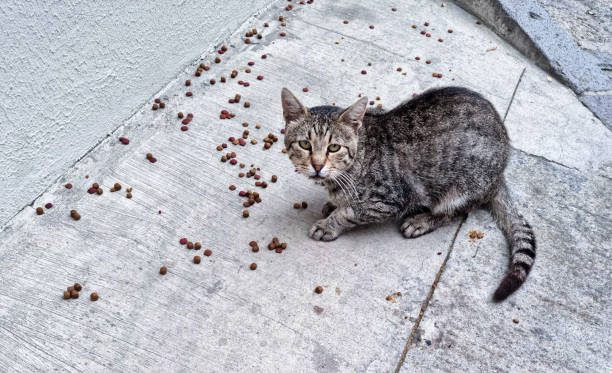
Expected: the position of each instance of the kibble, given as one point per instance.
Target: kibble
(245, 213)
(163, 271)
(39, 211)
(124, 140)
(197, 259)
(68, 186)
(75, 215)
(319, 289)
(48, 205)
(74, 294)
(94, 296)
(198, 246)
(190, 245)
(187, 83)
(66, 295)
(253, 266)
(304, 204)
(208, 252)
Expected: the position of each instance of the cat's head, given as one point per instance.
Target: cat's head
(321, 141)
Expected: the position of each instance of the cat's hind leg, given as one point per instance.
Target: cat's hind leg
(442, 213)
(418, 225)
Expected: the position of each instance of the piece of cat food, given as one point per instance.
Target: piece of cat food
(304, 204)
(390, 299)
(197, 246)
(197, 259)
(393, 9)
(183, 241)
(68, 186)
(39, 211)
(94, 296)
(253, 266)
(48, 205)
(363, 72)
(75, 215)
(66, 295)
(245, 213)
(190, 245)
(154, 107)
(163, 271)
(124, 140)
(232, 187)
(450, 31)
(117, 187)
(208, 252)
(77, 286)
(516, 321)
(297, 205)
(184, 128)
(128, 196)
(74, 294)
(319, 289)
(440, 40)
(371, 27)
(476, 234)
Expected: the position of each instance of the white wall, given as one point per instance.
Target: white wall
(72, 71)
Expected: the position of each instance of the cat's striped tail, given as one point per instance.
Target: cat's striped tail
(521, 241)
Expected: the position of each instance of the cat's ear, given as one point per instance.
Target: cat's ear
(292, 107)
(353, 115)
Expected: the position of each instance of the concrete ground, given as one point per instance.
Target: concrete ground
(220, 316)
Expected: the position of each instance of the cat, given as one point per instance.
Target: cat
(430, 159)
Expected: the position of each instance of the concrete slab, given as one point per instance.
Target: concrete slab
(547, 119)
(600, 105)
(219, 315)
(562, 312)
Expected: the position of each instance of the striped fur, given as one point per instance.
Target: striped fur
(423, 163)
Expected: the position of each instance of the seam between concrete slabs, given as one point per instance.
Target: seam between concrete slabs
(514, 93)
(415, 327)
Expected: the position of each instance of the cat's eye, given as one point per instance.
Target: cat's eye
(333, 148)
(304, 144)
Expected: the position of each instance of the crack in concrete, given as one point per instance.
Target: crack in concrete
(543, 158)
(514, 93)
(415, 327)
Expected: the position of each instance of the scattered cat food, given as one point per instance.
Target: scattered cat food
(476, 235)
(39, 211)
(187, 83)
(254, 246)
(208, 252)
(66, 295)
(190, 245)
(163, 271)
(94, 296)
(245, 213)
(196, 259)
(297, 205)
(197, 246)
(253, 266)
(274, 178)
(183, 241)
(304, 204)
(390, 299)
(75, 215)
(363, 72)
(74, 294)
(124, 140)
(68, 186)
(516, 321)
(319, 289)
(48, 205)
(189, 94)
(154, 107)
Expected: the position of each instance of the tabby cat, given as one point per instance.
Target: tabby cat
(425, 162)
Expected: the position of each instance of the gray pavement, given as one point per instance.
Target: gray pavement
(220, 316)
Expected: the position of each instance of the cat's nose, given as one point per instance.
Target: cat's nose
(317, 167)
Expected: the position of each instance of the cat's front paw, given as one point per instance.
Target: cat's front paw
(323, 231)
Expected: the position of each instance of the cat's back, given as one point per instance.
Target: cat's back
(440, 111)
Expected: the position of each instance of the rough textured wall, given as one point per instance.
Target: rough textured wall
(72, 71)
